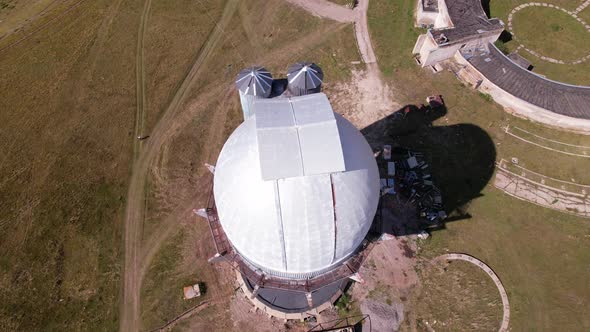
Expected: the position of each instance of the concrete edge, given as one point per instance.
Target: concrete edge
(488, 270)
(524, 109)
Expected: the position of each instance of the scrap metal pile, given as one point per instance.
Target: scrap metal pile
(408, 175)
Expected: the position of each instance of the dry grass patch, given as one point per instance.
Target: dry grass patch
(458, 297)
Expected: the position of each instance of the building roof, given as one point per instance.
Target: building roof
(297, 137)
(430, 5)
(297, 225)
(256, 81)
(469, 19)
(564, 99)
(304, 76)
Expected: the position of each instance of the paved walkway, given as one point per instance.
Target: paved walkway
(495, 279)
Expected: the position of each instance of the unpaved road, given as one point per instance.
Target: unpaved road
(358, 15)
(140, 79)
(129, 320)
(361, 30)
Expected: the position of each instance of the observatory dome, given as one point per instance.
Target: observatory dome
(296, 187)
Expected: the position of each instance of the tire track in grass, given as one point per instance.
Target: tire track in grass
(134, 216)
(140, 80)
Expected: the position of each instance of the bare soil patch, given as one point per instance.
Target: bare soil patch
(365, 99)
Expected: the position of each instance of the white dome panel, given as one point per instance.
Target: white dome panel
(300, 224)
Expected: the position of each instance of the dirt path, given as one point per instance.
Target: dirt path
(129, 320)
(140, 79)
(361, 30)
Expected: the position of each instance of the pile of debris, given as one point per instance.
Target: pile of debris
(408, 175)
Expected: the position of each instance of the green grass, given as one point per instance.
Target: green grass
(515, 238)
(162, 295)
(393, 17)
(68, 110)
(551, 33)
(67, 117)
(585, 15)
(175, 32)
(502, 8)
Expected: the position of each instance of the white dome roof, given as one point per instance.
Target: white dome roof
(301, 225)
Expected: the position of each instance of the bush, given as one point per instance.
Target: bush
(343, 302)
(486, 96)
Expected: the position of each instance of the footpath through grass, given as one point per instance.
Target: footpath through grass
(540, 255)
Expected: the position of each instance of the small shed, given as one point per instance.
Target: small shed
(191, 292)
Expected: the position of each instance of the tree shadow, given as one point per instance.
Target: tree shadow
(460, 157)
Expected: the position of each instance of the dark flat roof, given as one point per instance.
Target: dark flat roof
(468, 19)
(564, 99)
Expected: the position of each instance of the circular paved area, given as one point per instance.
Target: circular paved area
(573, 14)
(495, 279)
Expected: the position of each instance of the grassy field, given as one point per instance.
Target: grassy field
(551, 33)
(66, 135)
(519, 240)
(585, 14)
(458, 297)
(22, 16)
(69, 107)
(68, 103)
(560, 36)
(175, 32)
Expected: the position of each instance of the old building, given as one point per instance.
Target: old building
(454, 25)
